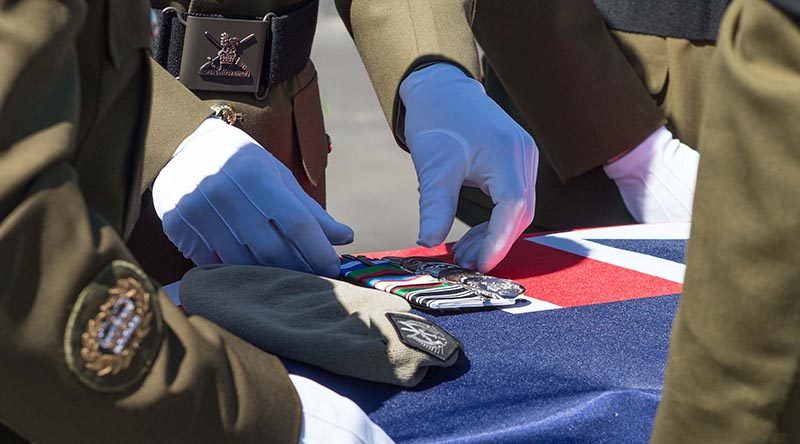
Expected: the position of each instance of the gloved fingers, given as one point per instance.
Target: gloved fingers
(189, 242)
(514, 195)
(272, 248)
(258, 213)
(508, 220)
(440, 163)
(474, 233)
(269, 200)
(329, 417)
(466, 250)
(512, 175)
(254, 231)
(199, 212)
(308, 240)
(336, 232)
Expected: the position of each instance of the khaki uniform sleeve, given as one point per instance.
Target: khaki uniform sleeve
(394, 37)
(733, 371)
(189, 381)
(175, 112)
(579, 95)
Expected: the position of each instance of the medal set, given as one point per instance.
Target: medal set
(429, 283)
(488, 286)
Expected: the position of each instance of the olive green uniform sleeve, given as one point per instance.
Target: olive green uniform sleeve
(175, 113)
(394, 37)
(202, 384)
(733, 374)
(577, 92)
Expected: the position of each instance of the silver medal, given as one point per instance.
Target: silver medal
(436, 269)
(493, 287)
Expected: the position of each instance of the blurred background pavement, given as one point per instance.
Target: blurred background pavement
(372, 186)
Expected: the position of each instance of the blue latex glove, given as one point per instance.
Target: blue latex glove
(223, 198)
(458, 135)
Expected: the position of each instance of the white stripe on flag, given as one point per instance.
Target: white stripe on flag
(642, 263)
(672, 231)
(532, 305)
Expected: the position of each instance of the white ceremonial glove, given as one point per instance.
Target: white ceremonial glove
(458, 135)
(331, 418)
(223, 198)
(656, 179)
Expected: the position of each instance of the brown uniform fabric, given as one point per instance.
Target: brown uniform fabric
(564, 60)
(175, 112)
(288, 123)
(733, 374)
(586, 94)
(74, 89)
(396, 37)
(675, 73)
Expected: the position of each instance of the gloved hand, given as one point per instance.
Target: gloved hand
(458, 135)
(656, 179)
(331, 418)
(223, 198)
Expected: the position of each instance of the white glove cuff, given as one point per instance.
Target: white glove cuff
(173, 182)
(436, 74)
(637, 162)
(210, 124)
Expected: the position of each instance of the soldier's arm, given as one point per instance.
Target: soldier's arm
(558, 59)
(734, 366)
(188, 380)
(396, 37)
(175, 112)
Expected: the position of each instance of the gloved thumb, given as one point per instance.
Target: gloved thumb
(441, 166)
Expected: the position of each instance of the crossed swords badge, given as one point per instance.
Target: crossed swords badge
(228, 62)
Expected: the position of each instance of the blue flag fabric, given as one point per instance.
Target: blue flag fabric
(587, 373)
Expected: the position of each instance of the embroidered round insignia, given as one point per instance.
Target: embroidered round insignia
(114, 331)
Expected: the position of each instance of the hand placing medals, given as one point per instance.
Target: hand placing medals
(431, 284)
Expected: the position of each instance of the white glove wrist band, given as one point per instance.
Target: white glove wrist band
(657, 178)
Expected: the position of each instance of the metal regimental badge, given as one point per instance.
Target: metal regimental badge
(228, 62)
(222, 54)
(114, 330)
(424, 335)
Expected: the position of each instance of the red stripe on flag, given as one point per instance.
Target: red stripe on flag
(562, 278)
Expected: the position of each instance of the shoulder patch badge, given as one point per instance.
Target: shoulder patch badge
(424, 335)
(115, 329)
